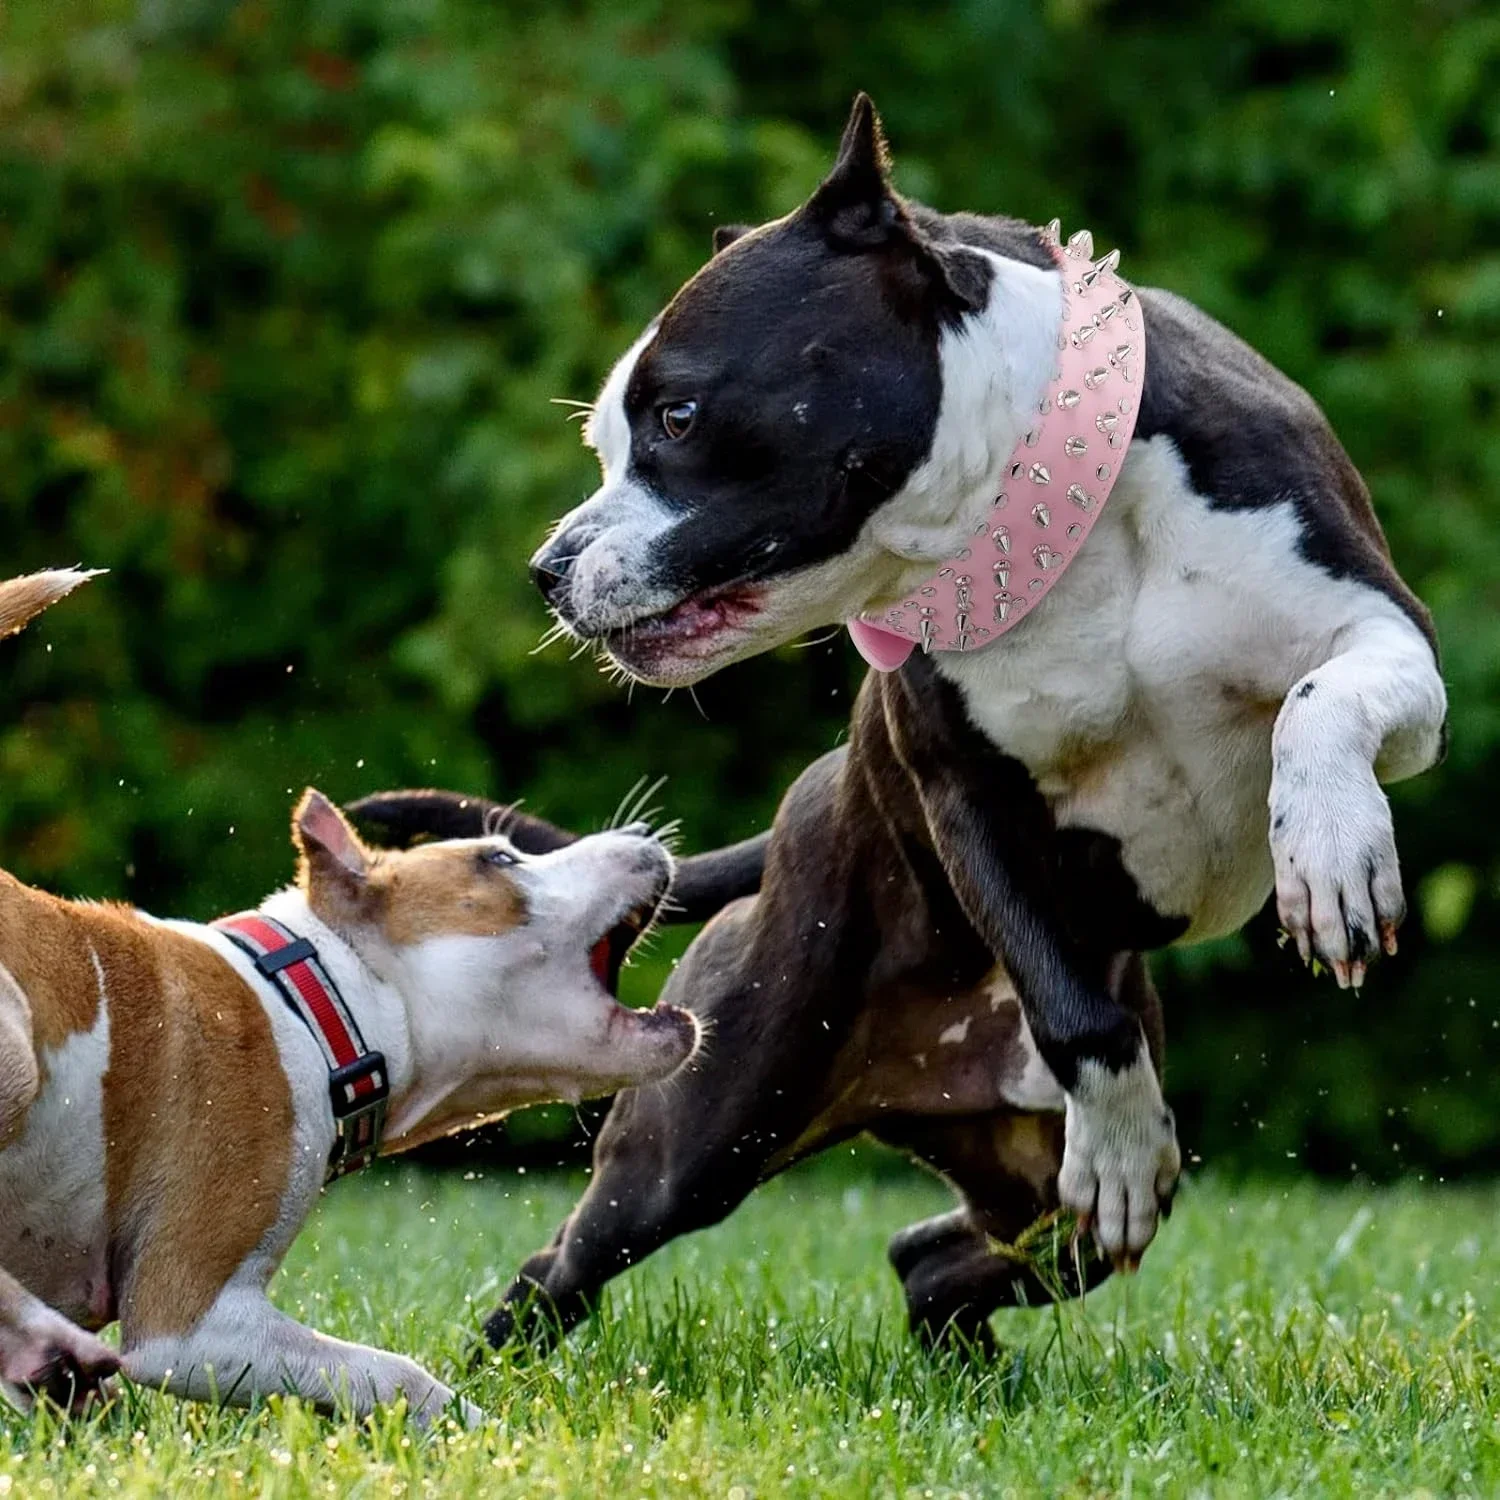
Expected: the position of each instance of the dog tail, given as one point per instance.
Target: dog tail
(704, 884)
(23, 599)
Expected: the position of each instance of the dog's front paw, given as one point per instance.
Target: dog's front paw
(1120, 1157)
(1338, 881)
(49, 1358)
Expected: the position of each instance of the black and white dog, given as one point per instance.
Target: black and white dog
(947, 946)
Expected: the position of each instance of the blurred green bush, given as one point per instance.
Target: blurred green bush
(288, 288)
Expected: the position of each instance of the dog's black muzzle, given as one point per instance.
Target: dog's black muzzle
(552, 567)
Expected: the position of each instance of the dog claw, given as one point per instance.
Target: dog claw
(1388, 938)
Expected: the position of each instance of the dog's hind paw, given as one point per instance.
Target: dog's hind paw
(55, 1361)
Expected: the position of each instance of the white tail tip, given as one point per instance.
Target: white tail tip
(23, 599)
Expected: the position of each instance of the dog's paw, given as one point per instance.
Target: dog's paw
(47, 1358)
(1120, 1158)
(1338, 881)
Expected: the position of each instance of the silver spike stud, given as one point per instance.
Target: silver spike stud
(1080, 497)
(1001, 538)
(1003, 603)
(1106, 421)
(1075, 447)
(1095, 378)
(1068, 400)
(1081, 336)
(1039, 474)
(1044, 557)
(1074, 532)
(1052, 232)
(1121, 353)
(926, 636)
(1041, 513)
(1081, 245)
(1101, 267)
(1002, 575)
(1001, 501)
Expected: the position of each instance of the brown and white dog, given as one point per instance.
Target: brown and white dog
(166, 1120)
(41, 1353)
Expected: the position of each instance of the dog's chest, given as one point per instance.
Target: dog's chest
(1143, 693)
(52, 1184)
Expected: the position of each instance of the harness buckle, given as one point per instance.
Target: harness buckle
(358, 1117)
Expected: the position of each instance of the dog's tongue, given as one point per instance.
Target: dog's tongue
(599, 961)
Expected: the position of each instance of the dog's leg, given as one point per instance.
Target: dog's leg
(681, 1155)
(951, 1267)
(994, 837)
(1374, 712)
(42, 1354)
(243, 1348)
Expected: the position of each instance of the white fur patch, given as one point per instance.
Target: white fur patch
(1143, 691)
(955, 1035)
(52, 1229)
(1121, 1157)
(1036, 1087)
(996, 366)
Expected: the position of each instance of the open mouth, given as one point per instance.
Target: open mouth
(690, 625)
(607, 956)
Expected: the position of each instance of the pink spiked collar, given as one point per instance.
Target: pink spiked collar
(1056, 481)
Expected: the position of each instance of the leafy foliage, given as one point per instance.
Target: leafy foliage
(287, 290)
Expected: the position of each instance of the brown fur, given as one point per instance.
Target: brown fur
(195, 1099)
(429, 891)
(23, 599)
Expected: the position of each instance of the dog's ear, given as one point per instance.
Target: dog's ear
(333, 864)
(726, 234)
(855, 204)
(858, 209)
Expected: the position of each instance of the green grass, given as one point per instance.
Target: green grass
(1281, 1340)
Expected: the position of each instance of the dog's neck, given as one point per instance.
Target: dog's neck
(374, 984)
(435, 1041)
(996, 364)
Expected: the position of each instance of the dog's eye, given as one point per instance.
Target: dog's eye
(500, 857)
(677, 418)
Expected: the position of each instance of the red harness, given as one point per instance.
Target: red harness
(358, 1084)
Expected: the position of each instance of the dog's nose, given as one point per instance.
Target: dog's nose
(551, 568)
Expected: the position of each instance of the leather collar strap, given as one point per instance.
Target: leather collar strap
(1055, 483)
(358, 1083)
